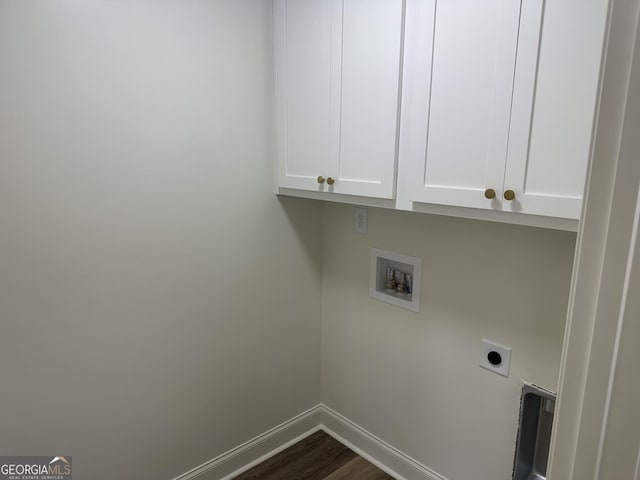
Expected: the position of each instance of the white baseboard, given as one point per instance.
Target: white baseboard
(384, 456)
(375, 450)
(258, 449)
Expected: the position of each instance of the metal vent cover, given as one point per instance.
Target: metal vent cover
(534, 433)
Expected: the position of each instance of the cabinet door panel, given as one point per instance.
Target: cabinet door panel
(462, 63)
(549, 144)
(371, 42)
(302, 35)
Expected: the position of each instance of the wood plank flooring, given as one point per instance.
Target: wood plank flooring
(317, 457)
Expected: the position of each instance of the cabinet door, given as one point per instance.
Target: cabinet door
(459, 67)
(302, 62)
(337, 94)
(547, 160)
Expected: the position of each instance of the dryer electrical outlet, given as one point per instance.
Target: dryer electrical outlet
(495, 357)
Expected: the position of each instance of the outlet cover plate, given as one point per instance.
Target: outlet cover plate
(502, 368)
(361, 220)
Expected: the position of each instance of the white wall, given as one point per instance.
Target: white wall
(158, 304)
(413, 379)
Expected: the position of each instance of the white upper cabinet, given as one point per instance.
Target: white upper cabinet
(338, 71)
(459, 66)
(554, 102)
(470, 72)
(482, 104)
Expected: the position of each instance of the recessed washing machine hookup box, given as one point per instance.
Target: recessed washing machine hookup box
(395, 278)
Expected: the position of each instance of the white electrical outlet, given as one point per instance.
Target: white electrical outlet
(361, 220)
(495, 357)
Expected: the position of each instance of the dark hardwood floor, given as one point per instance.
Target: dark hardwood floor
(317, 457)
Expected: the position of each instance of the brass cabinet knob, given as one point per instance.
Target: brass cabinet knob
(320, 179)
(509, 195)
(330, 181)
(490, 193)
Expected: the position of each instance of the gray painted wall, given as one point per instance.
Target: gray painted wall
(413, 379)
(158, 304)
